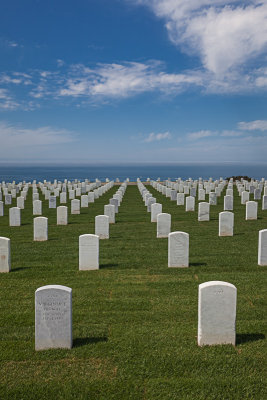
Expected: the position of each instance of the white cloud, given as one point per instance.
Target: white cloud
(60, 62)
(258, 125)
(7, 103)
(117, 81)
(15, 138)
(125, 80)
(5, 79)
(11, 43)
(224, 33)
(226, 133)
(155, 137)
(3, 93)
(200, 134)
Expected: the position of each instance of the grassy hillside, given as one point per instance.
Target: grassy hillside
(134, 320)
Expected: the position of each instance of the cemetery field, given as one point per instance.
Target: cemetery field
(134, 320)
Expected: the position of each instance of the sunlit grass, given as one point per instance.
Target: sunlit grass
(134, 320)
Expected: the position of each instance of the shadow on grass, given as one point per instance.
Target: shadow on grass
(18, 269)
(117, 236)
(197, 264)
(103, 266)
(249, 337)
(79, 342)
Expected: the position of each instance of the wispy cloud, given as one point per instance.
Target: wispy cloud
(241, 132)
(103, 83)
(125, 80)
(13, 44)
(200, 134)
(60, 62)
(258, 125)
(227, 133)
(16, 137)
(155, 137)
(7, 103)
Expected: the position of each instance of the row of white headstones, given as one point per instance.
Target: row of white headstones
(76, 204)
(203, 210)
(88, 243)
(216, 315)
(178, 242)
(217, 300)
(216, 318)
(53, 303)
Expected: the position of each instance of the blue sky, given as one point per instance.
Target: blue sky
(133, 81)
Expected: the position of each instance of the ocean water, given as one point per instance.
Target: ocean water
(29, 173)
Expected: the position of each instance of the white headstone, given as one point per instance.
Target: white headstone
(212, 198)
(201, 195)
(40, 229)
(262, 248)
(47, 194)
(193, 191)
(173, 195)
(88, 252)
(37, 207)
(156, 209)
(78, 192)
(257, 194)
(178, 249)
(84, 201)
(62, 215)
(8, 199)
(150, 201)
(35, 196)
(91, 197)
(264, 202)
(52, 202)
(1, 208)
(96, 193)
(163, 225)
(5, 259)
(203, 211)
(190, 203)
(180, 199)
(216, 313)
(226, 223)
(186, 189)
(109, 210)
(251, 210)
(244, 197)
(168, 192)
(75, 206)
(63, 198)
(14, 216)
(181, 188)
(115, 202)
(71, 194)
(53, 317)
(20, 202)
(228, 203)
(102, 226)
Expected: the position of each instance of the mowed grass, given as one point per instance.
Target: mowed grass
(134, 320)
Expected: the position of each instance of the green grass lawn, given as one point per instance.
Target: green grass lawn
(134, 320)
